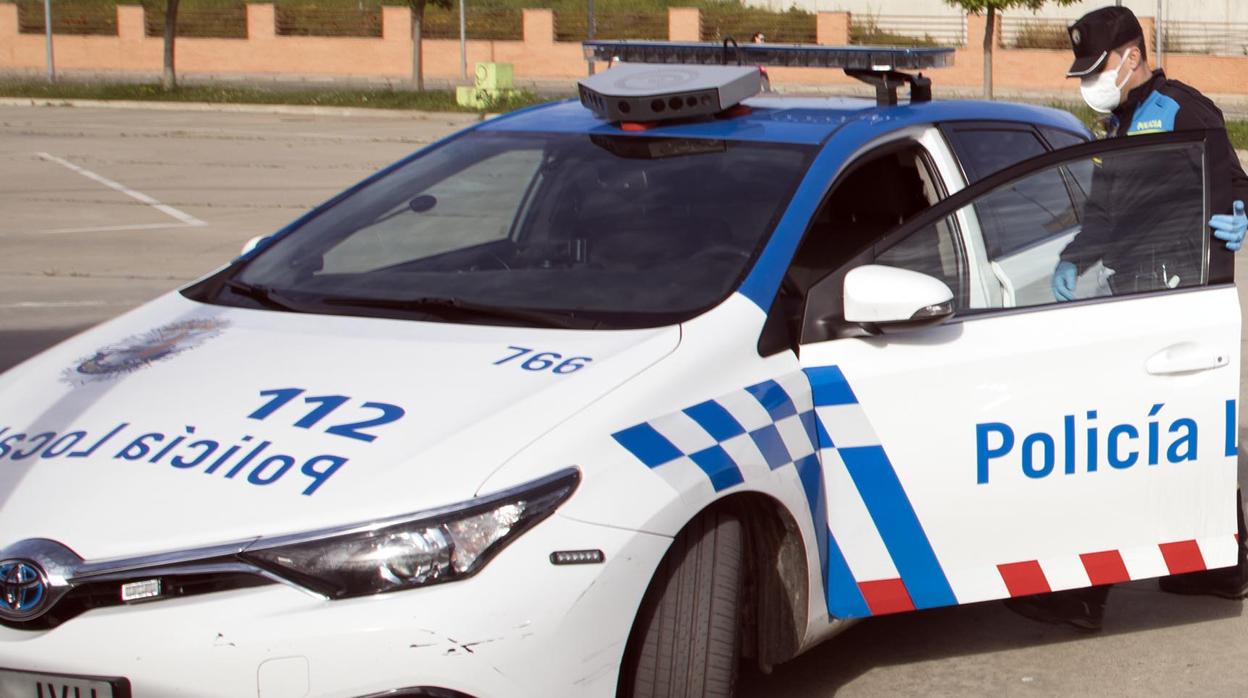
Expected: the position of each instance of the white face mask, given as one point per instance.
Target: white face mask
(1103, 92)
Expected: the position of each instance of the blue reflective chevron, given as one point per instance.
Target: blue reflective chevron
(898, 525)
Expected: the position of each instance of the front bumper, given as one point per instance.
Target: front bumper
(521, 627)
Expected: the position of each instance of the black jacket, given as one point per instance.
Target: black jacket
(1142, 207)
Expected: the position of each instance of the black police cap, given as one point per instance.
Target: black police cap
(1096, 34)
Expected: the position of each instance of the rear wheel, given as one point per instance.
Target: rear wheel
(686, 641)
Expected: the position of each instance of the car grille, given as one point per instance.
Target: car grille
(103, 594)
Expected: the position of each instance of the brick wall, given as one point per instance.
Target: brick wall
(537, 57)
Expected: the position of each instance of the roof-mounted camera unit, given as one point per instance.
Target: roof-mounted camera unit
(713, 77)
(643, 92)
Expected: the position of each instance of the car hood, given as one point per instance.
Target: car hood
(184, 424)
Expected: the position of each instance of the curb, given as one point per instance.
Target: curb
(235, 108)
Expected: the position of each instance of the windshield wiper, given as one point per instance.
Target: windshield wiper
(263, 295)
(449, 306)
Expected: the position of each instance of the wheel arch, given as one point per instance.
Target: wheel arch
(777, 589)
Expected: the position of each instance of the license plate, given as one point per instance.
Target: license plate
(29, 684)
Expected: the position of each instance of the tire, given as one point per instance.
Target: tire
(685, 642)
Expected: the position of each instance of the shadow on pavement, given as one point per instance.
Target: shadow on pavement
(18, 345)
(967, 630)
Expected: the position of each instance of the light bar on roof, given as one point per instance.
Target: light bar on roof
(875, 58)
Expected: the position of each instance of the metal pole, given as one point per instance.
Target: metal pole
(47, 26)
(463, 44)
(1161, 51)
(589, 34)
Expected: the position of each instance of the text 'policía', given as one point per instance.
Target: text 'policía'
(243, 459)
(1085, 444)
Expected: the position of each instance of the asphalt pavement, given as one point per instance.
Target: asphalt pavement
(104, 209)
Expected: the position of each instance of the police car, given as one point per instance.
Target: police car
(610, 395)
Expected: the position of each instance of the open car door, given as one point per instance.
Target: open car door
(1028, 445)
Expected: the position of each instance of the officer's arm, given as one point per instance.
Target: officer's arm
(1225, 168)
(1239, 180)
(1095, 224)
(1228, 185)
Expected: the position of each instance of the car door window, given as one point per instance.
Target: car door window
(985, 151)
(1141, 228)
(1059, 139)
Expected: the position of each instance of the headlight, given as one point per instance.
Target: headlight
(416, 550)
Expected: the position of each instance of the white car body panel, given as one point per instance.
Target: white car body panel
(455, 421)
(182, 425)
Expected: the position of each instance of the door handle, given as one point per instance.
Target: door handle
(1186, 357)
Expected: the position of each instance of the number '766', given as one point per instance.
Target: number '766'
(545, 360)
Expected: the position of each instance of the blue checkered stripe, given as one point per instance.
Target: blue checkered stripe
(810, 420)
(771, 423)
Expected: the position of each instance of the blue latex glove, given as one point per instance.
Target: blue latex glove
(1231, 228)
(1064, 281)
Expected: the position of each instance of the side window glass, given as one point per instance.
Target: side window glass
(1139, 230)
(882, 190)
(1059, 139)
(1078, 175)
(984, 151)
(935, 251)
(1009, 215)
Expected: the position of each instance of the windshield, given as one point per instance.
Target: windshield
(560, 229)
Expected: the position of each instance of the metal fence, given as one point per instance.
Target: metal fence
(1035, 32)
(67, 18)
(318, 21)
(495, 24)
(215, 23)
(779, 27)
(1218, 38)
(612, 24)
(909, 30)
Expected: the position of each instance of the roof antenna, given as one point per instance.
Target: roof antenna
(735, 46)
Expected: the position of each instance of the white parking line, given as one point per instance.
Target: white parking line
(113, 228)
(170, 211)
(53, 304)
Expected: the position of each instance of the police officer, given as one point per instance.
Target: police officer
(1112, 63)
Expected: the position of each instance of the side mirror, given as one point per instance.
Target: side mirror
(253, 244)
(887, 298)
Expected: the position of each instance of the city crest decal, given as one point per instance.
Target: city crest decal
(141, 350)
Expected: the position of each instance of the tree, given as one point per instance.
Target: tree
(169, 78)
(993, 7)
(418, 21)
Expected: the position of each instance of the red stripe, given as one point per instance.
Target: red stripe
(1024, 578)
(1105, 567)
(1183, 556)
(886, 596)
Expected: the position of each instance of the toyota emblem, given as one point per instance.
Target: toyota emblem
(23, 589)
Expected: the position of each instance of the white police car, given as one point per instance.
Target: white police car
(566, 406)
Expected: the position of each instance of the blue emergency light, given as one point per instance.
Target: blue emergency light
(873, 58)
(663, 96)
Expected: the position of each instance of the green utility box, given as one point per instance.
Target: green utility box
(493, 81)
(494, 76)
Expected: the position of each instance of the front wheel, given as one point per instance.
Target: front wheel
(686, 640)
